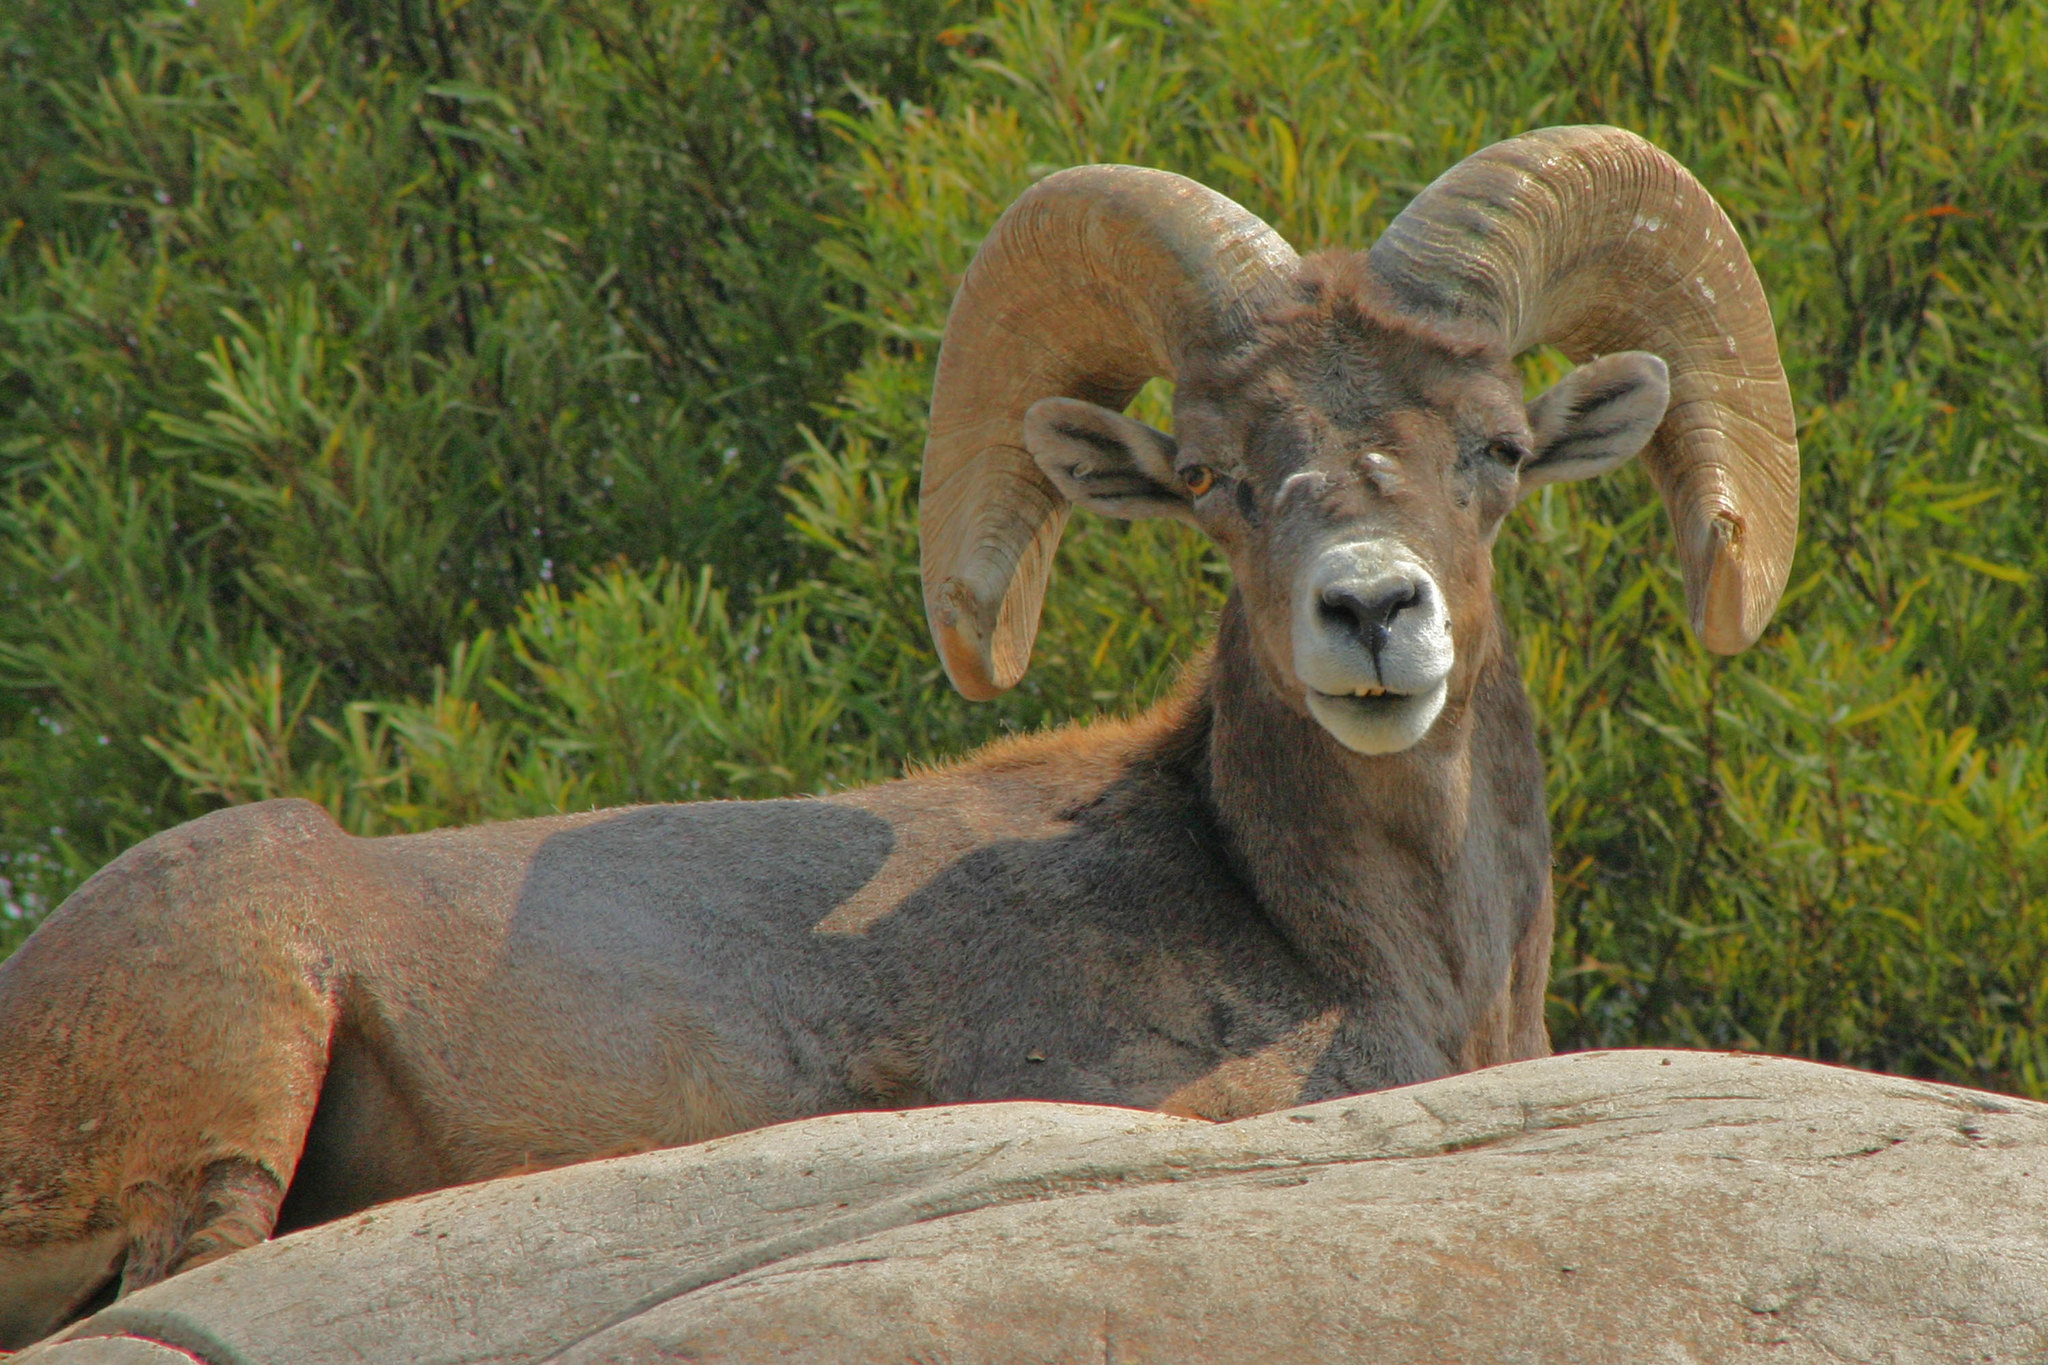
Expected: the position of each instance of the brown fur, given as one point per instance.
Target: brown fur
(1211, 909)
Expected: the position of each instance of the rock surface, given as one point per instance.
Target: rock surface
(1620, 1206)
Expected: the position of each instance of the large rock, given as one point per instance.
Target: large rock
(1622, 1206)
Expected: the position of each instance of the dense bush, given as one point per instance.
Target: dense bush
(360, 394)
(331, 329)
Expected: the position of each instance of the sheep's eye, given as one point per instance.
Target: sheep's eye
(1507, 450)
(1199, 478)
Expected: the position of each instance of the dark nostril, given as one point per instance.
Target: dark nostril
(1367, 612)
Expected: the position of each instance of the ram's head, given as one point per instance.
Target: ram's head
(1350, 428)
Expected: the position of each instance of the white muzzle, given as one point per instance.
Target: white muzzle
(1372, 646)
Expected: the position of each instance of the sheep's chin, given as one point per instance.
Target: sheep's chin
(1385, 724)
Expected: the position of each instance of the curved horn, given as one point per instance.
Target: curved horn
(1097, 279)
(1594, 241)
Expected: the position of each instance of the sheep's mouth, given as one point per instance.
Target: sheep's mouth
(1377, 720)
(1365, 699)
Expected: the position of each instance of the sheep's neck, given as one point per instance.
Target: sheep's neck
(1384, 872)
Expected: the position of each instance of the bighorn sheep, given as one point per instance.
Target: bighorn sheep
(1321, 868)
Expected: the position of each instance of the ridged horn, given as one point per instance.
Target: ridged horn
(1594, 241)
(1096, 280)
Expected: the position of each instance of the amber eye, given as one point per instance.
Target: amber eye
(1199, 478)
(1507, 450)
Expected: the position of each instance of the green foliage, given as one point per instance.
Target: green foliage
(334, 329)
(270, 510)
(643, 688)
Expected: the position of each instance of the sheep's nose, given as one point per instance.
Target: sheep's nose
(1365, 611)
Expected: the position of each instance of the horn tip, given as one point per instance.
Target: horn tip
(1727, 637)
(964, 647)
(1738, 598)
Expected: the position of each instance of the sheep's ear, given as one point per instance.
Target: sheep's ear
(1104, 460)
(1596, 418)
